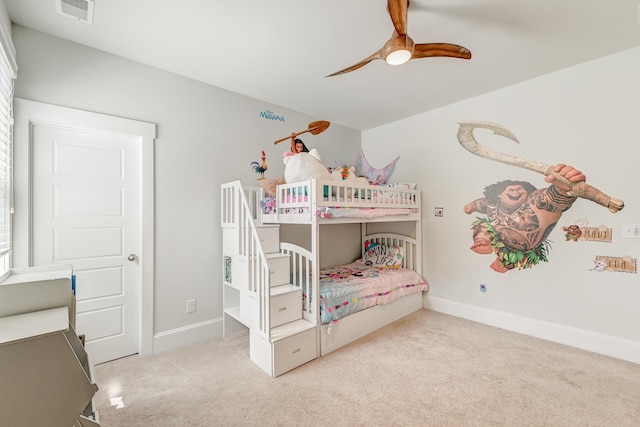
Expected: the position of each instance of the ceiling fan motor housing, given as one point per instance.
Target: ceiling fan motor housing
(398, 49)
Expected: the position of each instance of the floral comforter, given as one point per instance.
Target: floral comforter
(346, 289)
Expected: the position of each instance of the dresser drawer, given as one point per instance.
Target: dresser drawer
(286, 304)
(294, 351)
(269, 239)
(279, 266)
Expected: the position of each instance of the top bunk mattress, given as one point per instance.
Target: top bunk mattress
(334, 199)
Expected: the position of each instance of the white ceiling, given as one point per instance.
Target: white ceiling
(279, 51)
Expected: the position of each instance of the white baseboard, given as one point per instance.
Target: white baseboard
(187, 335)
(619, 348)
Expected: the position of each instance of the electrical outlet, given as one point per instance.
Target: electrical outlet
(439, 212)
(483, 290)
(191, 306)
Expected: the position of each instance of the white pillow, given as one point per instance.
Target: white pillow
(377, 255)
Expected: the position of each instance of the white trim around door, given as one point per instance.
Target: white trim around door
(28, 113)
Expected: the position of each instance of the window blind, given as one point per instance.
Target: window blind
(6, 162)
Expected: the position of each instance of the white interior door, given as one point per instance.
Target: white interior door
(73, 192)
(86, 212)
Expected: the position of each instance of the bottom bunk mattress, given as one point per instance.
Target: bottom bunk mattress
(346, 289)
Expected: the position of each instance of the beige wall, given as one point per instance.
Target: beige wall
(586, 116)
(206, 136)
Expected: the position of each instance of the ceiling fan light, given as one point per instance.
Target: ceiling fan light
(397, 57)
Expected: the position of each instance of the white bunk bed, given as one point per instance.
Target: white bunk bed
(385, 300)
(318, 204)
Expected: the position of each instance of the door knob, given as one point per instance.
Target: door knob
(132, 257)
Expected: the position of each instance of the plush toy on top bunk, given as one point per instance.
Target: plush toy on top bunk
(304, 166)
(347, 173)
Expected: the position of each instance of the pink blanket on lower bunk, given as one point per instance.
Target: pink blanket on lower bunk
(346, 289)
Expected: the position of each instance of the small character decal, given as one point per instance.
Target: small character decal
(599, 265)
(572, 232)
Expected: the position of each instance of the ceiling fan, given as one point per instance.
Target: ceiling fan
(400, 48)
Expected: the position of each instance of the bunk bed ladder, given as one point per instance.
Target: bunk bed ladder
(277, 343)
(238, 215)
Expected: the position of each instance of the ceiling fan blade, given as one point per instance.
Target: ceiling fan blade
(398, 13)
(360, 64)
(425, 50)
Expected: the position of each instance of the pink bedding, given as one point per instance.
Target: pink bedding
(346, 289)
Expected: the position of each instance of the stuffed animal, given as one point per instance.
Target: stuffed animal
(269, 185)
(304, 166)
(347, 173)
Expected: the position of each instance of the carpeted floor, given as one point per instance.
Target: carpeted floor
(428, 369)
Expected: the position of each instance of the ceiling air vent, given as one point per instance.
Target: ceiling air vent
(81, 10)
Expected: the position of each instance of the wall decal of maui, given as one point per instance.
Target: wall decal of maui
(520, 217)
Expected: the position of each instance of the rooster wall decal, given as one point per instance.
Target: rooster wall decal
(260, 168)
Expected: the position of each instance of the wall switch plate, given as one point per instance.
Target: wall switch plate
(630, 231)
(439, 212)
(191, 306)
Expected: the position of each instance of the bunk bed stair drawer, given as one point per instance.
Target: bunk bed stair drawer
(269, 238)
(230, 240)
(293, 351)
(286, 304)
(279, 266)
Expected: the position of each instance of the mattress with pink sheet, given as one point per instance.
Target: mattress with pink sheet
(268, 206)
(350, 288)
